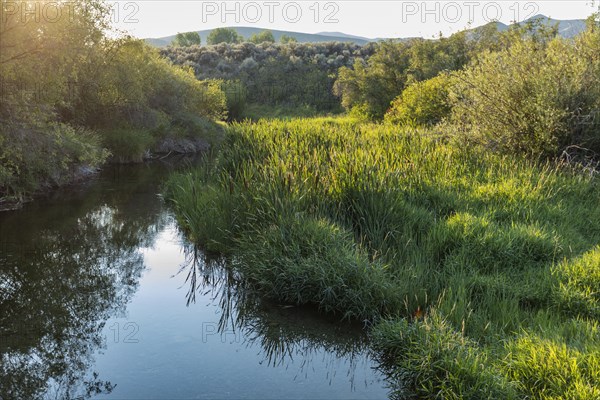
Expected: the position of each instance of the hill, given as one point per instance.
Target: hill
(301, 37)
(566, 29)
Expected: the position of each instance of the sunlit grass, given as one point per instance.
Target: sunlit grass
(469, 260)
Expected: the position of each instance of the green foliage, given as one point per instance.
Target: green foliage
(256, 112)
(64, 77)
(223, 35)
(373, 84)
(262, 37)
(376, 221)
(285, 39)
(187, 39)
(127, 145)
(535, 97)
(33, 158)
(422, 103)
(294, 75)
(138, 88)
(236, 96)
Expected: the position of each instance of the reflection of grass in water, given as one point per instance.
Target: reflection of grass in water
(285, 334)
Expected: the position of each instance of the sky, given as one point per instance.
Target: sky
(372, 19)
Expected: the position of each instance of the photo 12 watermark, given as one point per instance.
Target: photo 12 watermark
(291, 12)
(467, 11)
(212, 331)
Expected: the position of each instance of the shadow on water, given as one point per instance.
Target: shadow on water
(74, 260)
(283, 334)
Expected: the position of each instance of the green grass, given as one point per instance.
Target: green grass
(478, 271)
(255, 112)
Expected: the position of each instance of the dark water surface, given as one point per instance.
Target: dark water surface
(101, 297)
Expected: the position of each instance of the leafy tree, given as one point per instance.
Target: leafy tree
(223, 35)
(284, 39)
(187, 39)
(64, 80)
(373, 85)
(262, 37)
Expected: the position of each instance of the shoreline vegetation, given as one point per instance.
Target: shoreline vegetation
(443, 192)
(75, 95)
(477, 272)
(458, 218)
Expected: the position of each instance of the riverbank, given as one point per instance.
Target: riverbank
(100, 273)
(51, 175)
(473, 268)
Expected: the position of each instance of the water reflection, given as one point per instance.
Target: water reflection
(284, 335)
(73, 265)
(64, 270)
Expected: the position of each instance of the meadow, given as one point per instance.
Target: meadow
(476, 273)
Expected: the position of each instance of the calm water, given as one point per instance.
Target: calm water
(101, 297)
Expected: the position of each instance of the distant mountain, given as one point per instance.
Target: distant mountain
(344, 35)
(566, 29)
(249, 31)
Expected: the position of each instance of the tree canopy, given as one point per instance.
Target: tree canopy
(187, 39)
(223, 35)
(261, 37)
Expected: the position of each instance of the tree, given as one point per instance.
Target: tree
(373, 85)
(261, 37)
(287, 39)
(187, 39)
(223, 35)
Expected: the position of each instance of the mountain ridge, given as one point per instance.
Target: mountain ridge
(566, 28)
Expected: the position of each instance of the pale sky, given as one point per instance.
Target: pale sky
(157, 18)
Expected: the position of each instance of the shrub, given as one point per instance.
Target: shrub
(422, 103)
(127, 144)
(236, 97)
(534, 97)
(44, 154)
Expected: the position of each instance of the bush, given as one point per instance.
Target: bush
(44, 154)
(236, 97)
(422, 103)
(535, 97)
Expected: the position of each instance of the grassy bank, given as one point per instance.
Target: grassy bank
(479, 272)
